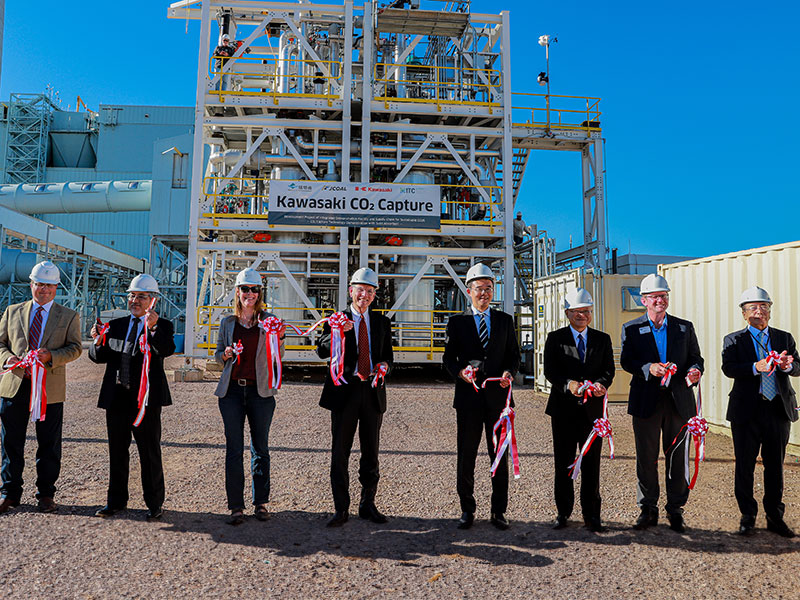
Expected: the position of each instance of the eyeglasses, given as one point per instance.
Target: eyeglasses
(581, 311)
(483, 290)
(662, 297)
(755, 307)
(142, 297)
(246, 289)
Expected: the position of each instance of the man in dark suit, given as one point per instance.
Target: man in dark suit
(55, 331)
(573, 355)
(652, 346)
(484, 339)
(368, 347)
(761, 408)
(119, 396)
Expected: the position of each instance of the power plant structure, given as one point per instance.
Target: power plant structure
(371, 103)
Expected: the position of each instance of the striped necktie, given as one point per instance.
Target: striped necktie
(483, 331)
(35, 332)
(768, 388)
(581, 348)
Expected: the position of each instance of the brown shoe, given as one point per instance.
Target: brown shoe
(46, 505)
(7, 504)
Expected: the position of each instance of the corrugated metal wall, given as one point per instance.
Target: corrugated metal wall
(706, 291)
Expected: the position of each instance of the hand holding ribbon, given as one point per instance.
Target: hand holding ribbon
(671, 368)
(237, 349)
(38, 400)
(774, 359)
(696, 428)
(143, 396)
(379, 373)
(470, 373)
(101, 329)
(600, 429)
(336, 321)
(508, 437)
(274, 328)
(587, 388)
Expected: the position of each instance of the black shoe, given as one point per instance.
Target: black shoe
(340, 517)
(154, 514)
(107, 511)
(7, 504)
(594, 524)
(747, 526)
(499, 520)
(262, 513)
(370, 512)
(646, 519)
(46, 505)
(236, 518)
(560, 523)
(676, 523)
(466, 520)
(780, 527)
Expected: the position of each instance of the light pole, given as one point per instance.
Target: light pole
(544, 77)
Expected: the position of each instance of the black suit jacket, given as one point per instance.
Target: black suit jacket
(738, 356)
(162, 344)
(639, 350)
(561, 364)
(380, 333)
(463, 347)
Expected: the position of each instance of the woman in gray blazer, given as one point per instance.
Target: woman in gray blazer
(243, 392)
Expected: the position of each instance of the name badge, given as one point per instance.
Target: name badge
(644, 329)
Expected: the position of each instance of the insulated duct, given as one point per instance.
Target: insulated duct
(16, 265)
(77, 197)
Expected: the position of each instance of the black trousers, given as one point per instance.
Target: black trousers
(14, 416)
(119, 421)
(768, 432)
(471, 425)
(659, 429)
(569, 435)
(360, 411)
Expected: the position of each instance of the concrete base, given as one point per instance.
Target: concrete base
(188, 374)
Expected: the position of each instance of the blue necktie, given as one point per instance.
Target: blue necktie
(483, 331)
(581, 348)
(768, 387)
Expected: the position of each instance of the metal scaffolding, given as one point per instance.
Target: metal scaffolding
(29, 117)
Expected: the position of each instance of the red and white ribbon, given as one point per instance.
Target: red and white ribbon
(600, 429)
(508, 437)
(696, 428)
(471, 374)
(671, 368)
(237, 349)
(587, 388)
(380, 374)
(336, 322)
(38, 401)
(273, 326)
(102, 331)
(773, 358)
(143, 396)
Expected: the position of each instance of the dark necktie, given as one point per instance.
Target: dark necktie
(127, 354)
(581, 348)
(483, 331)
(363, 348)
(35, 332)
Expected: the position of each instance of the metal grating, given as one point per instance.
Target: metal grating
(422, 22)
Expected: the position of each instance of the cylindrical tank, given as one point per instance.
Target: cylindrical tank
(16, 263)
(77, 196)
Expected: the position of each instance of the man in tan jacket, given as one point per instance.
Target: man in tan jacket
(55, 330)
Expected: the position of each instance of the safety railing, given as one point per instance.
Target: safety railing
(248, 198)
(421, 335)
(268, 76)
(431, 84)
(556, 112)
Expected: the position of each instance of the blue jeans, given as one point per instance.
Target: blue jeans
(238, 403)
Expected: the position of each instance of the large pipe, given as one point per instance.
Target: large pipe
(17, 263)
(231, 156)
(77, 197)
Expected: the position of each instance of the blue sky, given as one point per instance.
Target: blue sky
(699, 103)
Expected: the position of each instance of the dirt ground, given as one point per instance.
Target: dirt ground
(418, 554)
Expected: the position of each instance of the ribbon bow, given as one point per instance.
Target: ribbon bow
(508, 437)
(143, 396)
(380, 374)
(671, 368)
(272, 326)
(587, 388)
(238, 348)
(102, 331)
(773, 358)
(38, 401)
(696, 428)
(336, 322)
(471, 373)
(600, 429)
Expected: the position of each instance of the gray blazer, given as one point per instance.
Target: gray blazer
(225, 339)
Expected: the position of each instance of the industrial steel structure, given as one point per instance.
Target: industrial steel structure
(368, 94)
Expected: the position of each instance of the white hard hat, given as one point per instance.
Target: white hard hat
(479, 271)
(653, 283)
(578, 298)
(45, 272)
(248, 276)
(365, 275)
(143, 283)
(519, 214)
(754, 294)
(225, 36)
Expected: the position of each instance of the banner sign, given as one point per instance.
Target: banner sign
(354, 204)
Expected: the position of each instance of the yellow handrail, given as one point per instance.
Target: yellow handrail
(586, 118)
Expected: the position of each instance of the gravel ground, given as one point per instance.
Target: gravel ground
(418, 554)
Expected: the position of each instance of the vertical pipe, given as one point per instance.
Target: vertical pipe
(508, 157)
(600, 204)
(586, 177)
(366, 115)
(347, 104)
(197, 181)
